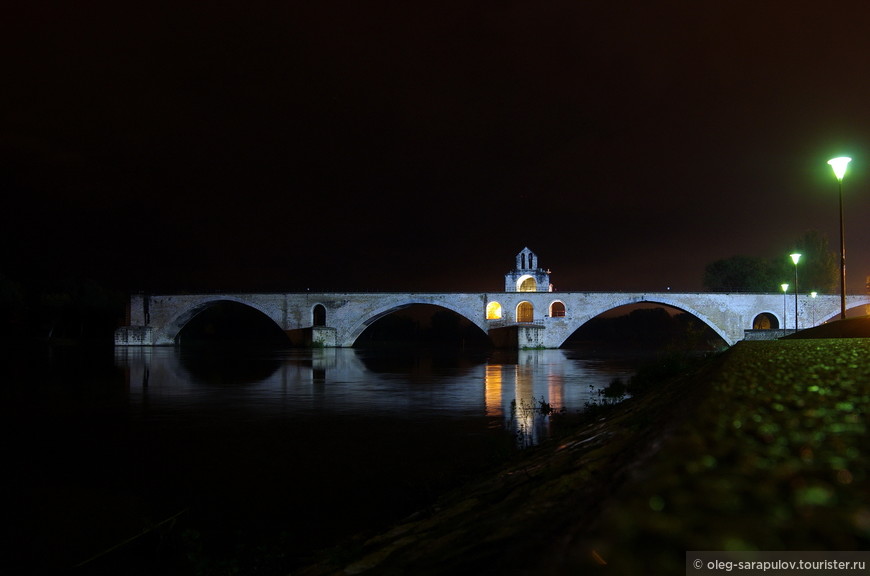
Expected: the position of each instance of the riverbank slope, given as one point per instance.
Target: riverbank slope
(759, 448)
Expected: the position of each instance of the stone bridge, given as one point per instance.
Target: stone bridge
(537, 319)
(523, 316)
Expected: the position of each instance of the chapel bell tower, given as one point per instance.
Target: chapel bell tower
(527, 276)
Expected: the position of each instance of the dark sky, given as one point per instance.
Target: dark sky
(421, 145)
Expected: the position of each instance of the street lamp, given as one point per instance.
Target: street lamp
(839, 166)
(813, 294)
(784, 292)
(794, 258)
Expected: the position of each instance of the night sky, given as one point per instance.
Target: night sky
(419, 146)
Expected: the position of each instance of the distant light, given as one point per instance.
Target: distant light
(795, 257)
(839, 166)
(784, 287)
(814, 294)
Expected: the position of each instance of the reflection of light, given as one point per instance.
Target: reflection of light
(525, 381)
(492, 390)
(556, 390)
(524, 388)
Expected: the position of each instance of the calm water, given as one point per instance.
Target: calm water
(224, 457)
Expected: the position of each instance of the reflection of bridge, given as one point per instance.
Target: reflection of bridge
(341, 381)
(521, 316)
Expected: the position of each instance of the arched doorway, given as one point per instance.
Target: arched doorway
(318, 315)
(557, 309)
(493, 311)
(525, 312)
(765, 321)
(527, 284)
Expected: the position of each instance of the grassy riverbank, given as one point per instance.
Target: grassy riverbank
(758, 448)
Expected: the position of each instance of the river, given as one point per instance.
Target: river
(236, 460)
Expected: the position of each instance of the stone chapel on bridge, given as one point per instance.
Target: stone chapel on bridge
(527, 276)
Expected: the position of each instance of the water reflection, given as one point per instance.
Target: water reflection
(312, 444)
(220, 365)
(349, 381)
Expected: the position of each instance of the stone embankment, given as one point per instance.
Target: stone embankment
(761, 447)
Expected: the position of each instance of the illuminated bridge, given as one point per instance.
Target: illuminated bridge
(526, 315)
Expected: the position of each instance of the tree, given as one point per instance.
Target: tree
(818, 268)
(741, 274)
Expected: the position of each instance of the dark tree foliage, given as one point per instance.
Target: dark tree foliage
(77, 309)
(13, 309)
(819, 265)
(68, 308)
(817, 269)
(742, 274)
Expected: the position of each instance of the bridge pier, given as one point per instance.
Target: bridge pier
(530, 336)
(313, 337)
(134, 336)
(518, 336)
(323, 337)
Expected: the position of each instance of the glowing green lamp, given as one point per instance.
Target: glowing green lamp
(839, 165)
(794, 258)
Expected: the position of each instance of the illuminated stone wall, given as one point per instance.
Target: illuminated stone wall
(157, 319)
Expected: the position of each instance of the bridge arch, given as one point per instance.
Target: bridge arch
(376, 314)
(854, 302)
(593, 312)
(173, 327)
(765, 321)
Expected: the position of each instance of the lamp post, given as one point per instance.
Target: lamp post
(784, 292)
(839, 166)
(813, 294)
(794, 258)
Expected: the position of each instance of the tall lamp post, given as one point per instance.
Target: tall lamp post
(784, 292)
(839, 166)
(813, 294)
(794, 258)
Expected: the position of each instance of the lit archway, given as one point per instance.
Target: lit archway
(525, 312)
(765, 321)
(527, 283)
(557, 309)
(493, 311)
